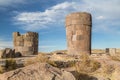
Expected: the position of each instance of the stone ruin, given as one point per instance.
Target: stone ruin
(78, 32)
(111, 51)
(26, 44)
(8, 53)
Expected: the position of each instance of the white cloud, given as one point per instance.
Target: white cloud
(100, 17)
(108, 8)
(53, 16)
(104, 12)
(40, 20)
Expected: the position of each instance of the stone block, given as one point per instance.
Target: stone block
(79, 32)
(7, 53)
(111, 51)
(74, 38)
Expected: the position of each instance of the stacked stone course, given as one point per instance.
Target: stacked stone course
(78, 32)
(26, 44)
(111, 51)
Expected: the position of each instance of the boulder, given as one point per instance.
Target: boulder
(8, 53)
(38, 71)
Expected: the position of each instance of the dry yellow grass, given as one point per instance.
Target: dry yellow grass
(2, 69)
(10, 64)
(87, 65)
(40, 58)
(108, 69)
(116, 57)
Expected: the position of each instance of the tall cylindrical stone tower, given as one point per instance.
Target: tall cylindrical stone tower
(78, 32)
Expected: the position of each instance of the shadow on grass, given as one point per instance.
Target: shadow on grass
(82, 76)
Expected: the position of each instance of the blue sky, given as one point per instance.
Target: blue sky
(47, 17)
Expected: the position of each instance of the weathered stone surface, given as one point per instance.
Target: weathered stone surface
(38, 71)
(7, 53)
(1, 53)
(116, 74)
(78, 31)
(111, 51)
(26, 44)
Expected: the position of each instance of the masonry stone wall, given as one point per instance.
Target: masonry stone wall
(26, 44)
(78, 32)
(111, 51)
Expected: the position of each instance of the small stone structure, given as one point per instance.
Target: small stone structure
(26, 44)
(111, 51)
(78, 32)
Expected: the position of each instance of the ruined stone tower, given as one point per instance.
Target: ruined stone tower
(26, 44)
(78, 32)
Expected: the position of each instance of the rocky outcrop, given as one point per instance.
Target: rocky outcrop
(7, 53)
(38, 71)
